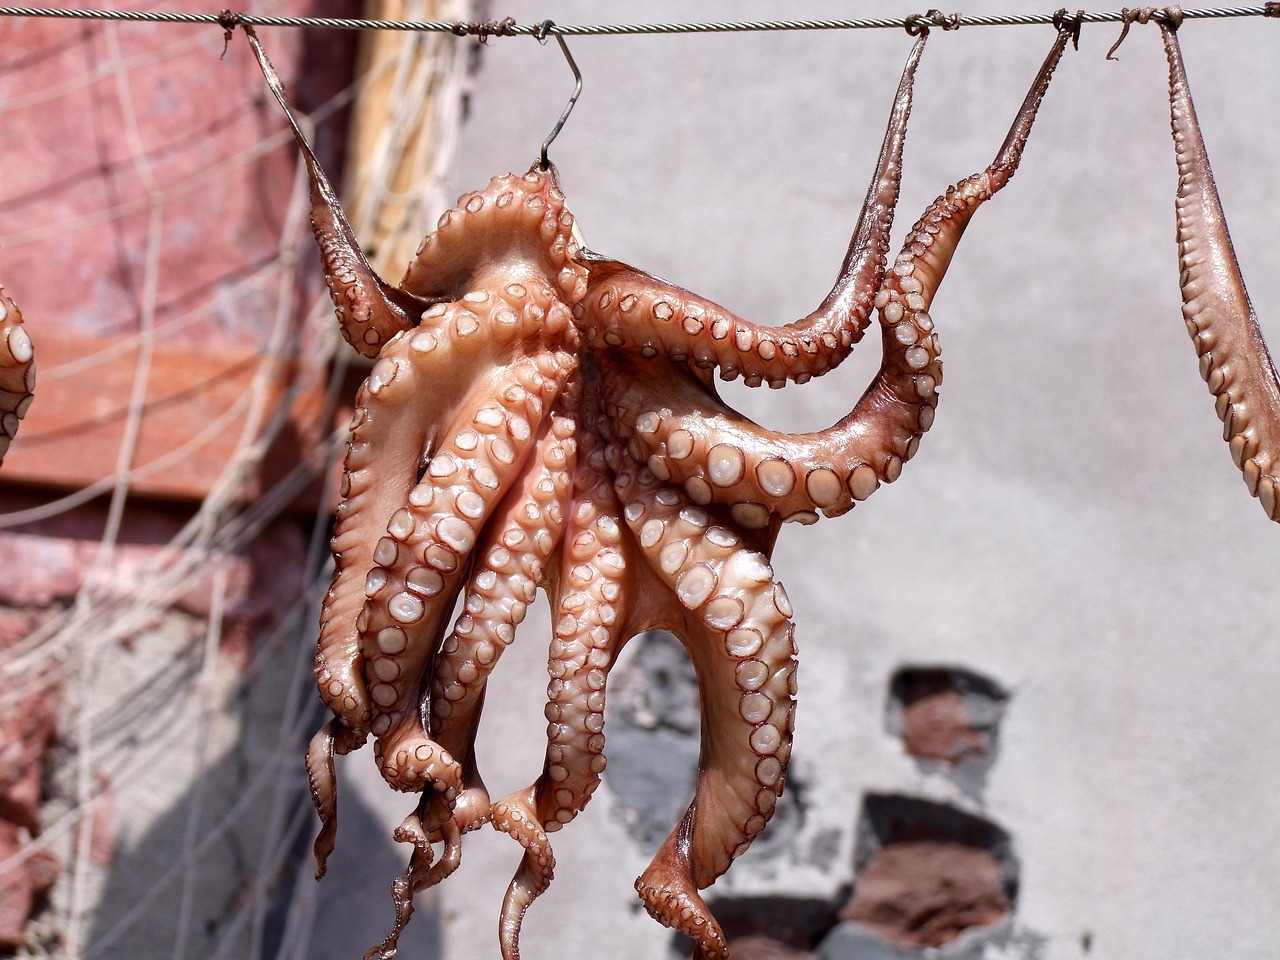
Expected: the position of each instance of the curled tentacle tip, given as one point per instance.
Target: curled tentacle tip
(1170, 17)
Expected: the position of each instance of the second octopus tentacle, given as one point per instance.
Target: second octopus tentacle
(625, 307)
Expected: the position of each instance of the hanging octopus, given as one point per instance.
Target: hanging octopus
(540, 416)
(17, 371)
(1234, 360)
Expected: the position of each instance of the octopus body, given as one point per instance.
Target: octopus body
(1234, 360)
(17, 371)
(541, 417)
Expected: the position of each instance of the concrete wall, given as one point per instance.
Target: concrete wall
(1072, 529)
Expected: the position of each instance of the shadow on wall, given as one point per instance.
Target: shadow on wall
(222, 866)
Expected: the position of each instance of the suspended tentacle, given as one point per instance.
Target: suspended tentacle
(1234, 360)
(934, 237)
(591, 623)
(17, 371)
(722, 457)
(521, 539)
(333, 737)
(370, 311)
(738, 632)
(472, 246)
(630, 309)
(421, 563)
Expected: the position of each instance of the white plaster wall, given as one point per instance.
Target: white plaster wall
(1072, 527)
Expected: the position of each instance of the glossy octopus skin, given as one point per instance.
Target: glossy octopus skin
(537, 419)
(17, 371)
(1234, 360)
(717, 455)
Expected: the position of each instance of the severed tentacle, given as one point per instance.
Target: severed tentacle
(472, 246)
(722, 457)
(520, 539)
(591, 623)
(17, 371)
(1234, 360)
(738, 632)
(628, 308)
(333, 737)
(370, 311)
(421, 563)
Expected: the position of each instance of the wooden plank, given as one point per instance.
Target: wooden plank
(72, 435)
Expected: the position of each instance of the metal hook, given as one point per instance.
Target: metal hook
(540, 34)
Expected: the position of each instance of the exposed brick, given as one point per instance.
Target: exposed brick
(21, 886)
(926, 892)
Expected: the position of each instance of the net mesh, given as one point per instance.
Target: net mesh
(158, 617)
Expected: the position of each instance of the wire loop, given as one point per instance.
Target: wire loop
(1070, 24)
(484, 30)
(228, 21)
(919, 23)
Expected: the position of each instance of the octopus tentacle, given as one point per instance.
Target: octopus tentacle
(690, 437)
(591, 624)
(333, 737)
(1234, 360)
(629, 308)
(423, 870)
(722, 457)
(738, 632)
(521, 539)
(17, 371)
(516, 815)
(420, 564)
(370, 311)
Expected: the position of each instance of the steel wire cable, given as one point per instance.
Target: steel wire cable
(484, 30)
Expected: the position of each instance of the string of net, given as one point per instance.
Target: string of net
(147, 689)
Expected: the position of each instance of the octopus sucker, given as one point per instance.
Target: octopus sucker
(17, 371)
(1234, 360)
(543, 417)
